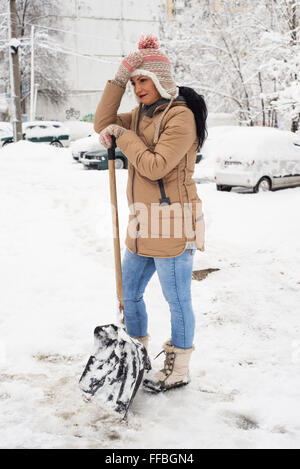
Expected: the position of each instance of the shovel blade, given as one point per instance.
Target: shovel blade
(115, 371)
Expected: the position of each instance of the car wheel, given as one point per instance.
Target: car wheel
(263, 185)
(56, 143)
(119, 163)
(7, 143)
(223, 188)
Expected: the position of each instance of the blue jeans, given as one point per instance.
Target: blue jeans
(175, 276)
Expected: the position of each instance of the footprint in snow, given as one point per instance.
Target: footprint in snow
(241, 422)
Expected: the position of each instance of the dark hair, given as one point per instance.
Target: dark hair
(196, 104)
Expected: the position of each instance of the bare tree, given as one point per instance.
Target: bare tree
(49, 65)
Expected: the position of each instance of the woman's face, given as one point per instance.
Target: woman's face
(145, 89)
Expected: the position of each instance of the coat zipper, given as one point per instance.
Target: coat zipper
(132, 193)
(133, 176)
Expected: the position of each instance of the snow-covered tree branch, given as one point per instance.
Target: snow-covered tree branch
(48, 63)
(244, 56)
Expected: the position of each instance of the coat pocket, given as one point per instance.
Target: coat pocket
(200, 232)
(198, 224)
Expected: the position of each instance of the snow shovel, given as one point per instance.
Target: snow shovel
(115, 371)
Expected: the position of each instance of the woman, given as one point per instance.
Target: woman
(160, 139)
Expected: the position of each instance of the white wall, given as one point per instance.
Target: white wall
(105, 30)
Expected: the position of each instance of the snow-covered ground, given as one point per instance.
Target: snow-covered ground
(57, 284)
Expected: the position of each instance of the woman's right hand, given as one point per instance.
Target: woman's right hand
(105, 135)
(128, 65)
(105, 138)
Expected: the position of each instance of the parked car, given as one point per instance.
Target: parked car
(258, 158)
(98, 160)
(83, 145)
(5, 135)
(54, 133)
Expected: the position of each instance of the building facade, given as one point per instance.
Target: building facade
(97, 34)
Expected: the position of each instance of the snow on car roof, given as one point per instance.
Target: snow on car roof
(87, 143)
(45, 123)
(250, 143)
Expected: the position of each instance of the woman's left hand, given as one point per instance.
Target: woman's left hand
(105, 134)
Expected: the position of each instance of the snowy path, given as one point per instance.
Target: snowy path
(57, 284)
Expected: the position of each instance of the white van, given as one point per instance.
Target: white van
(259, 158)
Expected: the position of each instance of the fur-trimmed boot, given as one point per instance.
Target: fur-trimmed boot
(143, 340)
(175, 372)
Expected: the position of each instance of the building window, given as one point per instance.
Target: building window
(176, 6)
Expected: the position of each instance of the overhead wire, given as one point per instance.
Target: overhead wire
(56, 47)
(76, 54)
(100, 38)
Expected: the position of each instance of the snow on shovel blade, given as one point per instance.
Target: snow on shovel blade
(114, 372)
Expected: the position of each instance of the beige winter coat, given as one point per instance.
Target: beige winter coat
(155, 230)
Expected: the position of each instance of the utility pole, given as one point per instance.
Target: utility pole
(15, 88)
(36, 87)
(31, 114)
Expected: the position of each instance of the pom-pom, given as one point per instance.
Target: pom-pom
(148, 42)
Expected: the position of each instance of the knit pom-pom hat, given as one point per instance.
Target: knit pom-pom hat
(157, 66)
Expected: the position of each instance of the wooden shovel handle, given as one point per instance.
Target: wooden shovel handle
(115, 224)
